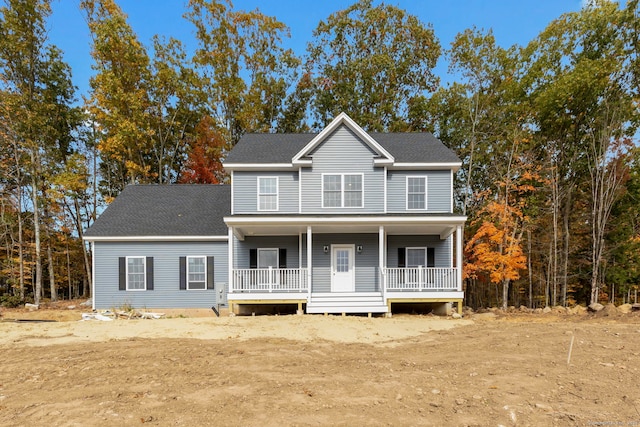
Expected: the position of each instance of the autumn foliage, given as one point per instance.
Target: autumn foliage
(204, 164)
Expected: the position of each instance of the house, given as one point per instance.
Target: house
(342, 221)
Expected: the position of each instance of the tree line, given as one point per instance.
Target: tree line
(547, 132)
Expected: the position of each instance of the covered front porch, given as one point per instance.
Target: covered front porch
(355, 264)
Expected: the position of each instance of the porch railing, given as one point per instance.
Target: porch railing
(270, 280)
(419, 279)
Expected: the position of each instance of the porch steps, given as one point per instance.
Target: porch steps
(346, 302)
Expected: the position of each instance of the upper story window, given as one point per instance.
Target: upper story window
(267, 193)
(416, 192)
(136, 277)
(197, 272)
(342, 190)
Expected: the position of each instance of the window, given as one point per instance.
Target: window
(196, 272)
(416, 192)
(267, 193)
(267, 258)
(416, 257)
(136, 279)
(342, 191)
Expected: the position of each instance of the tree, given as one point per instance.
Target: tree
(204, 164)
(370, 62)
(579, 79)
(119, 101)
(246, 71)
(36, 94)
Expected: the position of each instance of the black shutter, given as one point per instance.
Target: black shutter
(431, 257)
(183, 273)
(401, 257)
(253, 258)
(149, 273)
(282, 258)
(210, 272)
(122, 273)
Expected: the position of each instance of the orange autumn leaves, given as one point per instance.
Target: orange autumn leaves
(495, 249)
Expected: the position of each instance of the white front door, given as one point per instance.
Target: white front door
(342, 271)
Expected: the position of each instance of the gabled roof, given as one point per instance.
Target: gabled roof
(343, 120)
(189, 210)
(284, 149)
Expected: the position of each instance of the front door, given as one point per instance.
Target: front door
(342, 271)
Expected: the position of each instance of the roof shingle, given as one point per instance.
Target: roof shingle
(165, 210)
(405, 147)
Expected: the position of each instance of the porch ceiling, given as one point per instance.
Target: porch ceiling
(443, 225)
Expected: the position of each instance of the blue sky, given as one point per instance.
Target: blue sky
(512, 21)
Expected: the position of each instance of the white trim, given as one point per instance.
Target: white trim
(381, 246)
(341, 119)
(406, 192)
(258, 250)
(382, 162)
(459, 255)
(300, 190)
(451, 191)
(430, 166)
(386, 177)
(354, 219)
(156, 238)
(352, 265)
(144, 271)
(277, 194)
(406, 256)
(93, 275)
(258, 166)
(299, 250)
(230, 257)
(233, 203)
(309, 258)
(342, 190)
(187, 272)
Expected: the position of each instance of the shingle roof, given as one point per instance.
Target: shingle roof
(165, 210)
(281, 148)
(268, 147)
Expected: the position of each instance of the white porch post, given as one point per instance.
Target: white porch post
(381, 263)
(459, 256)
(230, 259)
(309, 251)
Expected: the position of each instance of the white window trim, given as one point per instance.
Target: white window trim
(268, 249)
(342, 191)
(406, 256)
(205, 272)
(277, 194)
(407, 192)
(144, 270)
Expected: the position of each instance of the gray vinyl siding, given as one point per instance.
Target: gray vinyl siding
(166, 292)
(442, 248)
(343, 152)
(438, 190)
(242, 248)
(365, 263)
(245, 192)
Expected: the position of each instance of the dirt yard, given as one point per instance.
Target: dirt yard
(483, 370)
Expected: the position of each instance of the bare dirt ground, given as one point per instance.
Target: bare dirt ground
(508, 370)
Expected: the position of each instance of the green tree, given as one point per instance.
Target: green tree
(371, 62)
(36, 94)
(119, 101)
(246, 70)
